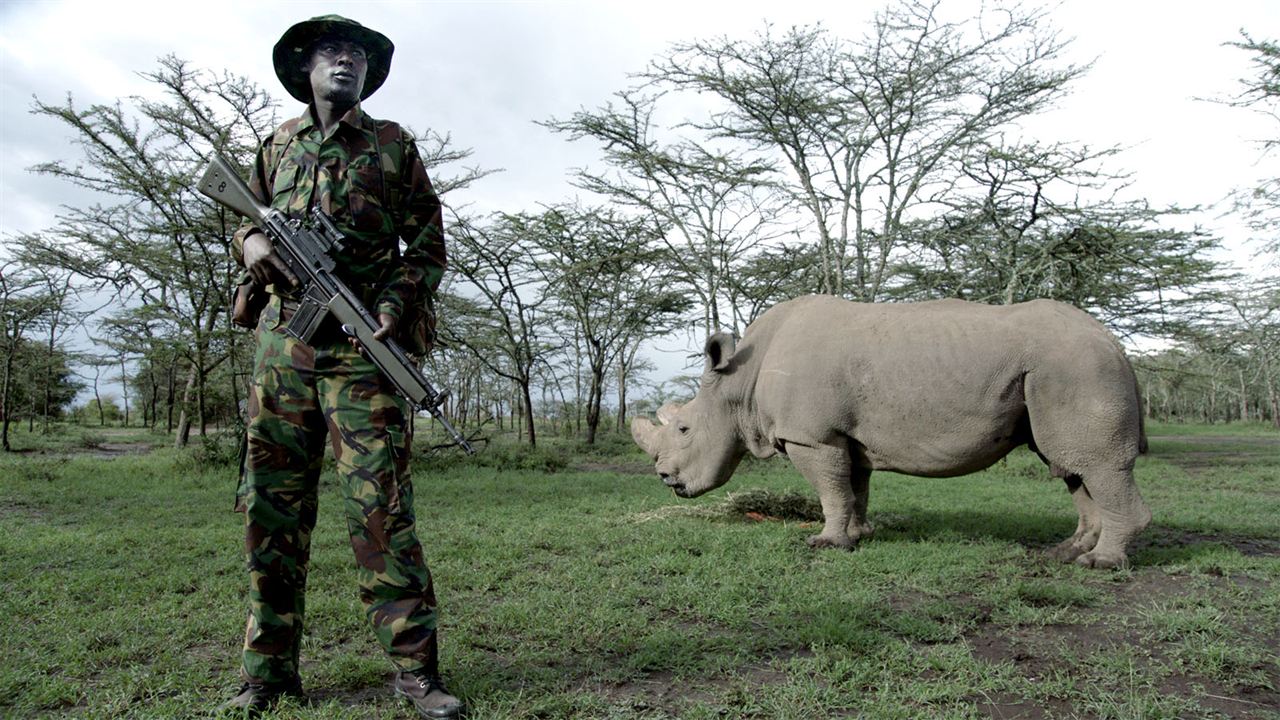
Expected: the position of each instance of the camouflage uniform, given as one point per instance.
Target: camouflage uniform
(367, 175)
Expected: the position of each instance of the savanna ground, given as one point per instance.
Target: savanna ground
(591, 592)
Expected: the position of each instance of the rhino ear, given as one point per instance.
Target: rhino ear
(645, 434)
(719, 351)
(667, 412)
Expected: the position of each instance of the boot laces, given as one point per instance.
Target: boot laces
(427, 681)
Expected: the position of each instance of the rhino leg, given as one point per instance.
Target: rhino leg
(1121, 513)
(860, 483)
(1088, 528)
(829, 469)
(1089, 433)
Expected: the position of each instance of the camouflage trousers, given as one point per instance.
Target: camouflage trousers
(301, 394)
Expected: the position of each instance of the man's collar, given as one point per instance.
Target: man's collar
(355, 117)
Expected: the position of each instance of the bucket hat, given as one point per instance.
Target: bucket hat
(290, 54)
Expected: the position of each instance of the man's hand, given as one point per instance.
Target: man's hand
(262, 262)
(386, 329)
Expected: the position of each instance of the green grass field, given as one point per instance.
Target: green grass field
(592, 592)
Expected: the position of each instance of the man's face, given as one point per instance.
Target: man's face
(337, 69)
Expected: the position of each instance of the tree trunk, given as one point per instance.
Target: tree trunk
(155, 392)
(48, 378)
(527, 401)
(622, 396)
(102, 415)
(1272, 400)
(170, 392)
(4, 401)
(595, 395)
(1244, 396)
(577, 383)
(183, 435)
(124, 388)
(201, 408)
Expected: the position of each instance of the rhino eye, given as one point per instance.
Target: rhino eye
(683, 429)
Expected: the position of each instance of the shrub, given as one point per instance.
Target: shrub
(217, 450)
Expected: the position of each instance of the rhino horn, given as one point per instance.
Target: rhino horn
(667, 412)
(645, 434)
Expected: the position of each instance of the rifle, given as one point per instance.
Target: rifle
(305, 248)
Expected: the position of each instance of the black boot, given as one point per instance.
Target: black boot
(255, 698)
(427, 693)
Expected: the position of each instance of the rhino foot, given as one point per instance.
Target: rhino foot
(1102, 561)
(844, 542)
(1066, 551)
(859, 532)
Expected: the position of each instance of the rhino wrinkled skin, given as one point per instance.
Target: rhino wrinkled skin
(933, 389)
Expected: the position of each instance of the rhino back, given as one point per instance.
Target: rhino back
(935, 388)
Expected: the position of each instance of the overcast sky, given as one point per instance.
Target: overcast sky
(485, 71)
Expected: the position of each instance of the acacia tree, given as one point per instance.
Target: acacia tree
(607, 271)
(1225, 366)
(163, 248)
(34, 373)
(1260, 92)
(21, 304)
(771, 275)
(61, 315)
(1255, 330)
(712, 206)
(1018, 227)
(160, 245)
(508, 329)
(864, 135)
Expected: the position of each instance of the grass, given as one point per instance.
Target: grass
(572, 584)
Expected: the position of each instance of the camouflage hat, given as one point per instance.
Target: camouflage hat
(290, 54)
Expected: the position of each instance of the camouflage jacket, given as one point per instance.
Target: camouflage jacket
(367, 175)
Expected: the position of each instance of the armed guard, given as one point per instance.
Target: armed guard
(367, 176)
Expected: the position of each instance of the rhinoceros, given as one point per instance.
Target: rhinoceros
(932, 389)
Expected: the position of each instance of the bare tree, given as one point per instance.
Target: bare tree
(865, 135)
(1260, 92)
(607, 271)
(161, 245)
(23, 302)
(1043, 221)
(508, 327)
(713, 208)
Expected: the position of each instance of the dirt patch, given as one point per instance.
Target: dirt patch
(105, 451)
(20, 510)
(1170, 538)
(663, 692)
(1243, 703)
(109, 450)
(1004, 706)
(1216, 451)
(1197, 462)
(656, 691)
(1039, 651)
(1213, 440)
(356, 698)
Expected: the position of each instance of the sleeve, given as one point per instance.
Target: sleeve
(421, 227)
(257, 185)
